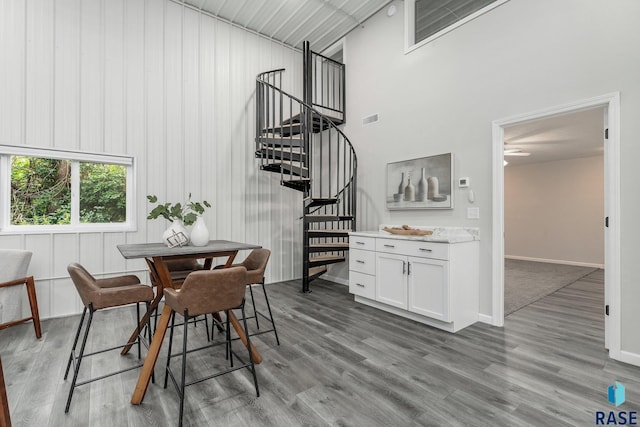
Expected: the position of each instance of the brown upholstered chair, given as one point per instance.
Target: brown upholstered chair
(97, 294)
(207, 292)
(179, 270)
(256, 264)
(13, 272)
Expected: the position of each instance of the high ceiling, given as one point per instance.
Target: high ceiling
(562, 137)
(321, 22)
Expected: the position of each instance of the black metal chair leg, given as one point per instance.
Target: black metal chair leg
(253, 303)
(184, 365)
(138, 329)
(273, 324)
(77, 367)
(229, 347)
(166, 370)
(75, 343)
(206, 326)
(253, 367)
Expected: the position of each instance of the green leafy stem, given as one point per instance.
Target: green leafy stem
(187, 212)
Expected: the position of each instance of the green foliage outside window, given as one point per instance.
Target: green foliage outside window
(102, 193)
(41, 192)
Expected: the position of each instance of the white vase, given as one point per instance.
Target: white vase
(409, 191)
(433, 188)
(401, 186)
(199, 233)
(421, 194)
(175, 228)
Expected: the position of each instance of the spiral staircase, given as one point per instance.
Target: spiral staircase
(300, 140)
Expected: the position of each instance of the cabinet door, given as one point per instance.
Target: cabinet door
(391, 279)
(428, 281)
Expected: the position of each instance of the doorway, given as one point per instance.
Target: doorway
(553, 204)
(610, 103)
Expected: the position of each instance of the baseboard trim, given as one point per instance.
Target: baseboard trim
(555, 261)
(628, 357)
(338, 280)
(485, 318)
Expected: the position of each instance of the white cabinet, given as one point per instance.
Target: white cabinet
(433, 283)
(391, 277)
(428, 287)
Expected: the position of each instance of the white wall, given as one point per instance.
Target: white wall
(554, 211)
(521, 57)
(157, 81)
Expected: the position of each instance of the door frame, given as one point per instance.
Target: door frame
(611, 102)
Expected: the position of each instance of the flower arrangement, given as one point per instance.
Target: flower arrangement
(187, 212)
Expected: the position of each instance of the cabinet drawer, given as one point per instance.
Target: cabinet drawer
(413, 248)
(362, 284)
(366, 243)
(362, 261)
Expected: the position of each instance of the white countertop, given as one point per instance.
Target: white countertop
(440, 234)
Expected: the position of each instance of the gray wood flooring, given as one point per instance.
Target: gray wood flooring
(341, 363)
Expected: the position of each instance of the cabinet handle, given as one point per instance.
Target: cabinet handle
(389, 246)
(408, 268)
(359, 243)
(360, 261)
(360, 284)
(426, 250)
(404, 267)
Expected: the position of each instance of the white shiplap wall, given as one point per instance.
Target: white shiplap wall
(163, 83)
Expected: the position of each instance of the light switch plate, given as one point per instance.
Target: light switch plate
(473, 213)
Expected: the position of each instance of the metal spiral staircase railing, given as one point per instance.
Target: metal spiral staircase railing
(300, 140)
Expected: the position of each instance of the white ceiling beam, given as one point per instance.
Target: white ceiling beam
(270, 18)
(297, 27)
(315, 27)
(235, 15)
(288, 18)
(334, 39)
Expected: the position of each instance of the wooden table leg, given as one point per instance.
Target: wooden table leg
(243, 337)
(152, 357)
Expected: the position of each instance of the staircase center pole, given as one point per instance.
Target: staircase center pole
(307, 123)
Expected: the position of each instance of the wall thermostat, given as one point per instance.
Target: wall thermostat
(463, 182)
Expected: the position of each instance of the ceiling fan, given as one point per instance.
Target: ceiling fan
(515, 152)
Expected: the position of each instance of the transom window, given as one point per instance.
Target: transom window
(45, 190)
(426, 20)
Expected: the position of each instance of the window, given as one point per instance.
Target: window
(426, 20)
(45, 190)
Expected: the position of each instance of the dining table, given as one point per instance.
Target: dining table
(157, 255)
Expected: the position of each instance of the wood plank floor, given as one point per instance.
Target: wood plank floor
(341, 363)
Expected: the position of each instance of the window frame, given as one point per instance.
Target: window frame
(75, 158)
(410, 31)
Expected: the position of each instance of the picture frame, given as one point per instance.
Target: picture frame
(422, 183)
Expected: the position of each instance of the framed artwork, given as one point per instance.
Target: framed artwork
(424, 183)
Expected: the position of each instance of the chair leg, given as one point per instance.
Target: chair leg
(33, 303)
(253, 303)
(77, 369)
(75, 343)
(138, 329)
(184, 366)
(228, 345)
(253, 366)
(273, 323)
(206, 326)
(166, 370)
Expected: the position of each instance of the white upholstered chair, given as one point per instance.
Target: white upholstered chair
(13, 272)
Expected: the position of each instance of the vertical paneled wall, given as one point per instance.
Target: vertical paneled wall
(163, 83)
